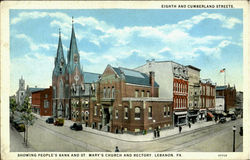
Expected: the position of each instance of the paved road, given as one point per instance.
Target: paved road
(47, 137)
(17, 143)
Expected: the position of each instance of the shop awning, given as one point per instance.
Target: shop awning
(180, 113)
(210, 114)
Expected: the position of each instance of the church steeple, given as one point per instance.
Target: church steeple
(59, 60)
(73, 54)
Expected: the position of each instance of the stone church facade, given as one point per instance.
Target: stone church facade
(72, 88)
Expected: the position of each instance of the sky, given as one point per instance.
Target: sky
(207, 39)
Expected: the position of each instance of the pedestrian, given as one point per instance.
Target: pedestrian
(117, 149)
(122, 130)
(158, 133)
(189, 125)
(179, 129)
(154, 133)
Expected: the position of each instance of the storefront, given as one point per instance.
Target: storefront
(202, 114)
(192, 116)
(180, 118)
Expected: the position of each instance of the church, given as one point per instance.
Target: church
(73, 89)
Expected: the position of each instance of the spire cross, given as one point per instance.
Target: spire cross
(72, 20)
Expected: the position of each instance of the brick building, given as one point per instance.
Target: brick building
(173, 79)
(230, 96)
(41, 101)
(207, 97)
(128, 100)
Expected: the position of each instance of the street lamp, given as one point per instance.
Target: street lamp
(234, 129)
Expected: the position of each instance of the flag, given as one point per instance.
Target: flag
(223, 70)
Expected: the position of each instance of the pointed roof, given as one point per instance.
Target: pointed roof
(73, 50)
(59, 57)
(60, 54)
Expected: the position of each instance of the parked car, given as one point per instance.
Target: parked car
(50, 120)
(233, 117)
(19, 125)
(59, 122)
(222, 120)
(76, 127)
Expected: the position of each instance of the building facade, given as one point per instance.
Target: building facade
(173, 79)
(230, 96)
(41, 101)
(72, 88)
(207, 97)
(127, 100)
(194, 102)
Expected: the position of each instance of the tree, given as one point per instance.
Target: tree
(13, 106)
(27, 117)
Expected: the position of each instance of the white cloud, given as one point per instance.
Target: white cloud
(36, 68)
(33, 46)
(36, 15)
(173, 37)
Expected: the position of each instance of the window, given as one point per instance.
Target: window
(83, 115)
(136, 93)
(148, 93)
(54, 92)
(46, 104)
(142, 93)
(150, 112)
(95, 111)
(137, 113)
(168, 111)
(165, 111)
(100, 112)
(108, 93)
(116, 113)
(113, 92)
(46, 96)
(126, 113)
(104, 92)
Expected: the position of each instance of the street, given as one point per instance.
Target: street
(47, 137)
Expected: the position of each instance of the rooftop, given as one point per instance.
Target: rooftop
(134, 77)
(90, 77)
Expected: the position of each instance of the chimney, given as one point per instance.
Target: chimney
(152, 82)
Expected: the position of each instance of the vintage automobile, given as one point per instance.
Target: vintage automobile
(19, 125)
(59, 122)
(233, 117)
(222, 120)
(76, 127)
(50, 120)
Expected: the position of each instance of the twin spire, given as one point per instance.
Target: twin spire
(72, 56)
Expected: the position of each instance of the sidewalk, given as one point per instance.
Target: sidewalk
(131, 137)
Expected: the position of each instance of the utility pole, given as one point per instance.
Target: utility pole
(234, 129)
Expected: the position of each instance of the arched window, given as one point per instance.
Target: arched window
(104, 92)
(61, 90)
(125, 112)
(150, 112)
